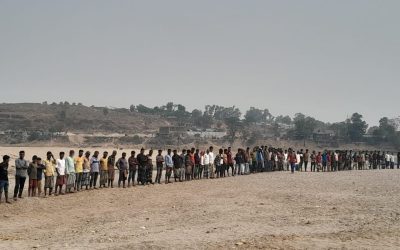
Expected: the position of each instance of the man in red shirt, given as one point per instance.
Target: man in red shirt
(292, 159)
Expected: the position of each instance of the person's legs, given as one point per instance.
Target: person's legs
(158, 176)
(130, 177)
(16, 188)
(96, 176)
(305, 166)
(21, 186)
(39, 187)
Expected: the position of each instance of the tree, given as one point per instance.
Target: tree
(303, 126)
(283, 119)
(386, 130)
(267, 116)
(143, 109)
(234, 125)
(341, 130)
(356, 127)
(105, 111)
(196, 114)
(254, 115)
(169, 106)
(132, 108)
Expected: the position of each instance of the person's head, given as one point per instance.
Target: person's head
(159, 152)
(49, 155)
(71, 153)
(151, 152)
(247, 149)
(183, 151)
(133, 153)
(6, 158)
(87, 154)
(197, 151)
(211, 149)
(62, 155)
(229, 149)
(208, 151)
(175, 151)
(105, 154)
(306, 150)
(123, 155)
(142, 150)
(34, 159)
(39, 160)
(96, 154)
(80, 153)
(192, 150)
(114, 153)
(225, 151)
(221, 151)
(21, 154)
(169, 151)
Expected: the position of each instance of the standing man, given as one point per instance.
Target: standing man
(149, 168)
(398, 160)
(211, 169)
(111, 169)
(160, 165)
(133, 164)
(104, 170)
(182, 174)
(142, 160)
(169, 164)
(122, 165)
(32, 173)
(40, 169)
(247, 161)
(292, 159)
(60, 173)
(230, 162)
(306, 159)
(313, 161)
(79, 170)
(86, 171)
(176, 159)
(49, 172)
(21, 166)
(70, 171)
(4, 178)
(197, 164)
(94, 169)
(188, 166)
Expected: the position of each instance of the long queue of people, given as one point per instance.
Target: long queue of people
(70, 174)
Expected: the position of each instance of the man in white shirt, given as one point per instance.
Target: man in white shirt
(285, 161)
(206, 164)
(60, 168)
(169, 164)
(212, 166)
(387, 159)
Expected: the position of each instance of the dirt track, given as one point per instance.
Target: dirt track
(358, 209)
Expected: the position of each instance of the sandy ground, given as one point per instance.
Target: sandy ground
(341, 210)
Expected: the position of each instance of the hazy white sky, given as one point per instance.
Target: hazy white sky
(326, 59)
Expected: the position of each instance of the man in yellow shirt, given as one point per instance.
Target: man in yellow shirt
(50, 166)
(103, 170)
(79, 170)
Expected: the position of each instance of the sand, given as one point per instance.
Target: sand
(279, 210)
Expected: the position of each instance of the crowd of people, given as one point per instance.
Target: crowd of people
(73, 173)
